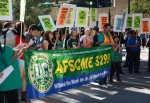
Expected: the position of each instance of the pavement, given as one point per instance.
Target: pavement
(135, 88)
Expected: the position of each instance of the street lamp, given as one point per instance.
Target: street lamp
(91, 3)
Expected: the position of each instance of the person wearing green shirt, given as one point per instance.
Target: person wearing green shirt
(9, 87)
(116, 60)
(104, 38)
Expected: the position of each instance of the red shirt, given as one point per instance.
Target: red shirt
(22, 44)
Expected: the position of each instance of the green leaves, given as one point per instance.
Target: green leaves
(141, 6)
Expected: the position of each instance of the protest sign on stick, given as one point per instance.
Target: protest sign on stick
(6, 10)
(62, 16)
(81, 17)
(103, 19)
(128, 21)
(118, 23)
(93, 16)
(47, 23)
(71, 16)
(22, 10)
(137, 21)
(145, 25)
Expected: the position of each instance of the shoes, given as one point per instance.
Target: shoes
(109, 85)
(148, 71)
(23, 97)
(104, 86)
(122, 73)
(119, 80)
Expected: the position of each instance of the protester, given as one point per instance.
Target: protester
(95, 39)
(73, 42)
(116, 60)
(58, 40)
(134, 46)
(48, 43)
(9, 88)
(143, 38)
(104, 38)
(33, 29)
(10, 34)
(88, 39)
(19, 45)
(148, 45)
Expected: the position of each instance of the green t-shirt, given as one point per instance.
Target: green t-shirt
(13, 81)
(116, 56)
(72, 42)
(101, 37)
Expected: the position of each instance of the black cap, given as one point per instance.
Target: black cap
(132, 32)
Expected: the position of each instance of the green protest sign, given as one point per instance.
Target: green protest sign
(93, 14)
(129, 22)
(5, 9)
(49, 72)
(82, 17)
(137, 22)
(47, 23)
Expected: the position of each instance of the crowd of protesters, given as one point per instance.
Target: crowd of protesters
(18, 39)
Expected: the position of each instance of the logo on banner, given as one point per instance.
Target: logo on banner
(41, 72)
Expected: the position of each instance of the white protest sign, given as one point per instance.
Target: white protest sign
(137, 21)
(81, 17)
(128, 21)
(62, 16)
(118, 23)
(145, 25)
(47, 22)
(103, 19)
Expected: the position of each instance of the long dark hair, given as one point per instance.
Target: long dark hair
(18, 29)
(46, 36)
(56, 33)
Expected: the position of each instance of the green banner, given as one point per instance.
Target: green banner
(49, 72)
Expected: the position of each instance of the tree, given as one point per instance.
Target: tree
(141, 6)
(34, 8)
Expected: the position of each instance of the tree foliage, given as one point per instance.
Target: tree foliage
(33, 10)
(141, 6)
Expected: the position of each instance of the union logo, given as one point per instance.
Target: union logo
(40, 72)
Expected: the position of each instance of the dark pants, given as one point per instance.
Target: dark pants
(103, 81)
(134, 61)
(143, 42)
(115, 67)
(127, 57)
(9, 96)
(149, 60)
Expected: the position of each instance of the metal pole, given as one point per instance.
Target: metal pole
(129, 6)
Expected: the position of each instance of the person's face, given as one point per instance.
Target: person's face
(108, 29)
(57, 35)
(50, 36)
(33, 32)
(74, 33)
(116, 39)
(88, 32)
(13, 26)
(133, 35)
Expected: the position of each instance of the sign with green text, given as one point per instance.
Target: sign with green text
(6, 10)
(49, 72)
(81, 17)
(93, 15)
(47, 23)
(137, 21)
(128, 21)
